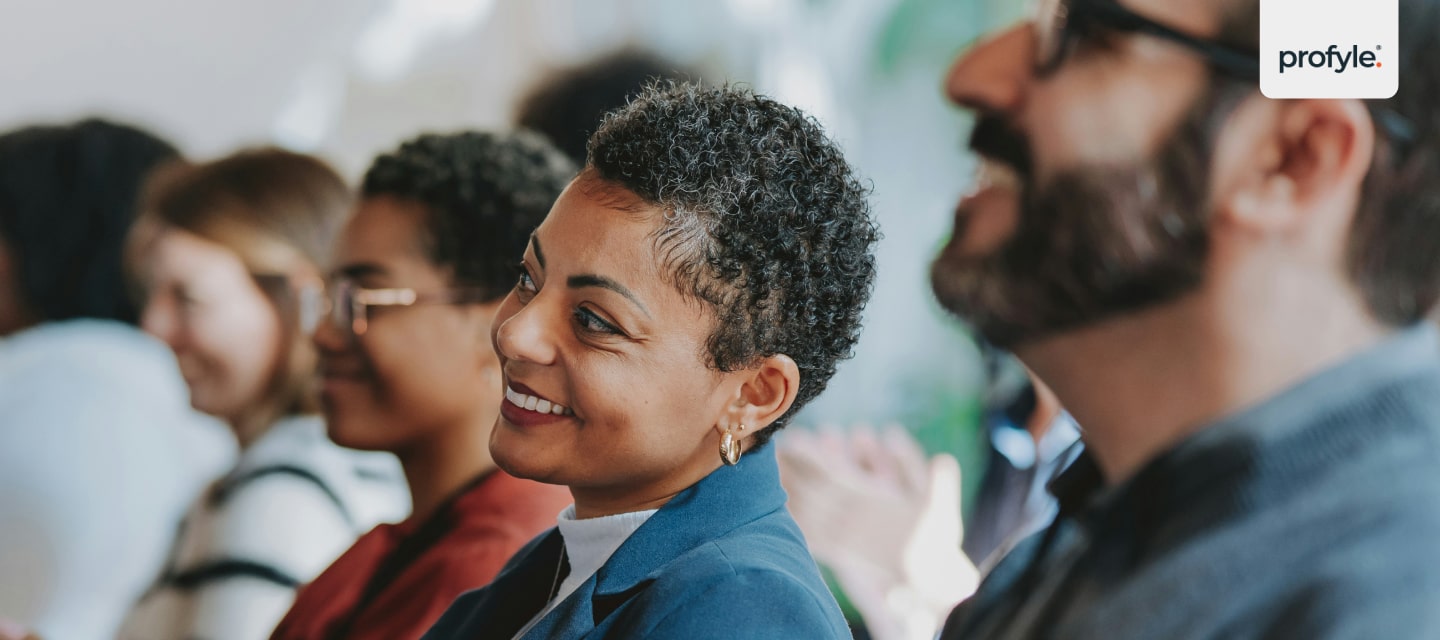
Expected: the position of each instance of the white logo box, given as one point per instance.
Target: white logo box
(1304, 42)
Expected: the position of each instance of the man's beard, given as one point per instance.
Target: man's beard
(1089, 245)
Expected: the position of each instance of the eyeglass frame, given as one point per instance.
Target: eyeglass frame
(362, 298)
(1071, 15)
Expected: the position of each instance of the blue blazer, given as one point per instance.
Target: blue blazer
(723, 559)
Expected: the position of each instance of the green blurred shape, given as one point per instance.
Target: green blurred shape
(932, 32)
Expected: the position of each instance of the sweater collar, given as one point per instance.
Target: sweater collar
(1264, 448)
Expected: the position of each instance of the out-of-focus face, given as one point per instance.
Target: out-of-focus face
(1092, 198)
(224, 330)
(417, 370)
(604, 360)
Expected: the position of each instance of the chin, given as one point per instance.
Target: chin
(352, 436)
(518, 464)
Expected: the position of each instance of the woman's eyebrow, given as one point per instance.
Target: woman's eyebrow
(535, 244)
(590, 280)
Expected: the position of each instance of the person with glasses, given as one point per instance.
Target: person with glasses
(1227, 292)
(228, 256)
(408, 367)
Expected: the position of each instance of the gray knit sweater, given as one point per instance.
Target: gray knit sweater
(1313, 515)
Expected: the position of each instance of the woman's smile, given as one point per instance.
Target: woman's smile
(525, 407)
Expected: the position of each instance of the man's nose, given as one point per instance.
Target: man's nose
(994, 74)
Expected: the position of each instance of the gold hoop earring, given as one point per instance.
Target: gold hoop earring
(729, 449)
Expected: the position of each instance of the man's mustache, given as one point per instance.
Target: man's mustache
(995, 139)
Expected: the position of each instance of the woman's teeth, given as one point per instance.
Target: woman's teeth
(532, 403)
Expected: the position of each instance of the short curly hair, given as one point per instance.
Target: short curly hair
(484, 193)
(765, 222)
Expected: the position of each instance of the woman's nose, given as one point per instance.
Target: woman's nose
(328, 337)
(527, 333)
(159, 318)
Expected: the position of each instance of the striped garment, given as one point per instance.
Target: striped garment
(293, 503)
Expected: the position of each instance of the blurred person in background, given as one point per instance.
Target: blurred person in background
(887, 520)
(409, 368)
(695, 286)
(228, 254)
(1228, 293)
(99, 450)
(567, 105)
(1030, 440)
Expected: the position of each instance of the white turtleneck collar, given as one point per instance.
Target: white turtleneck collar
(589, 543)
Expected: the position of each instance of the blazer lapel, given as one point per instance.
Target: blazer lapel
(569, 619)
(520, 591)
(727, 498)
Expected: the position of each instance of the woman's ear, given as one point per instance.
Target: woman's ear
(766, 392)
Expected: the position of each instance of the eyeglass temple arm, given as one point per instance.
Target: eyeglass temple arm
(1247, 66)
(1229, 59)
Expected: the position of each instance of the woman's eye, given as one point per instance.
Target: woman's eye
(591, 323)
(525, 285)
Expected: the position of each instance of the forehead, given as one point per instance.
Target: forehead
(177, 253)
(599, 231)
(593, 225)
(382, 228)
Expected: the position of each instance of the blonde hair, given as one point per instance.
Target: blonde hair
(279, 212)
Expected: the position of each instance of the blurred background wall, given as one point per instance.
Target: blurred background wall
(348, 78)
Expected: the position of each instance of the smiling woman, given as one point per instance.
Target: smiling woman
(689, 291)
(228, 256)
(408, 368)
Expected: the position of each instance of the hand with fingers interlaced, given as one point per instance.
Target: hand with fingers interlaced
(886, 519)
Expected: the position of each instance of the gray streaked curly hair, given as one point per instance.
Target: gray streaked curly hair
(765, 222)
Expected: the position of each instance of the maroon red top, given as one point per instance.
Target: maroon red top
(428, 564)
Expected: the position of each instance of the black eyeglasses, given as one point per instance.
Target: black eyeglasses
(1061, 24)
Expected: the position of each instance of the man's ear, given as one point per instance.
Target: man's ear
(765, 393)
(1282, 166)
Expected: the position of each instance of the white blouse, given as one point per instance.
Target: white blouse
(293, 504)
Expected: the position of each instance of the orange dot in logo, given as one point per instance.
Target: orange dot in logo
(1378, 65)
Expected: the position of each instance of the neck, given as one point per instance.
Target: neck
(249, 426)
(593, 502)
(1140, 384)
(1047, 408)
(443, 462)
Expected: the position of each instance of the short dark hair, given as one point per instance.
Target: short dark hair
(567, 106)
(1391, 254)
(67, 198)
(484, 193)
(765, 222)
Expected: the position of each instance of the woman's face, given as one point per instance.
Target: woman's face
(225, 332)
(595, 327)
(417, 371)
